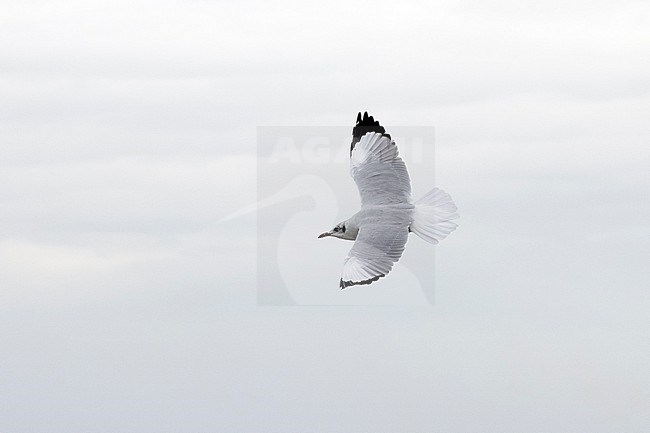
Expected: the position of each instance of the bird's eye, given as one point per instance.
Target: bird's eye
(343, 229)
(336, 229)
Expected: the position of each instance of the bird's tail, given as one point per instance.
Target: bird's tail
(432, 219)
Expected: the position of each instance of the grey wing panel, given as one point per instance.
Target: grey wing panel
(378, 246)
(381, 183)
(379, 172)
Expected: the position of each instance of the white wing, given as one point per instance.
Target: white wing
(379, 244)
(379, 172)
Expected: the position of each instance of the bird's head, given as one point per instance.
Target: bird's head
(339, 231)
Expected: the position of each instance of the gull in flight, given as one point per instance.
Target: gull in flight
(388, 214)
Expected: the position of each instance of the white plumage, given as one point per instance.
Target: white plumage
(380, 229)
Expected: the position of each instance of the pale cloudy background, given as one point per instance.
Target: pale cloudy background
(127, 129)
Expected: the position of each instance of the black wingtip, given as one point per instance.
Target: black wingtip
(365, 125)
(345, 284)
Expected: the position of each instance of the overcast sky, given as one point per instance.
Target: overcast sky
(128, 130)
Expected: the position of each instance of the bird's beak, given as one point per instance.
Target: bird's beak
(322, 235)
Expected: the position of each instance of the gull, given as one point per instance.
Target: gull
(388, 214)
